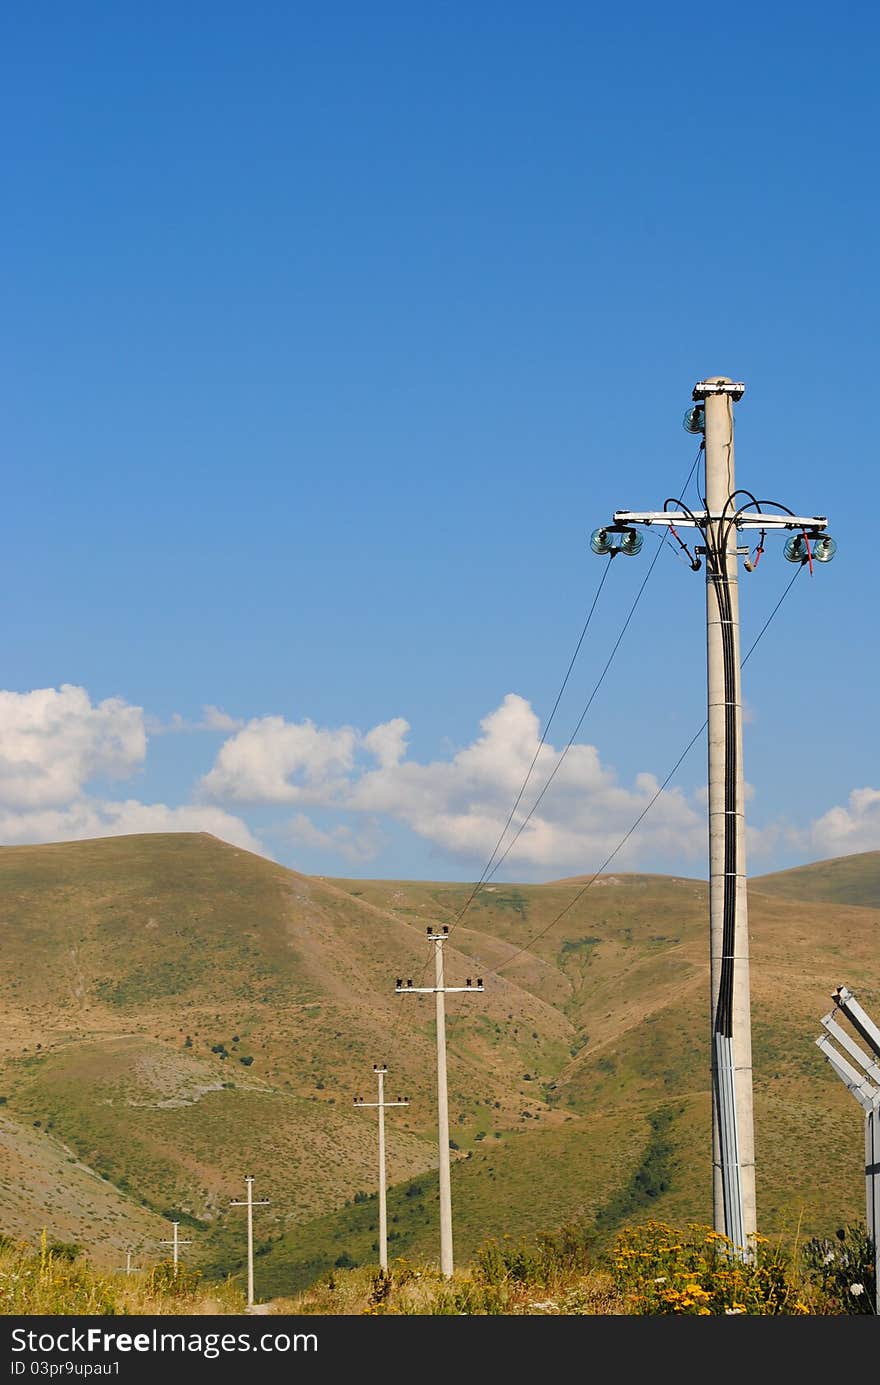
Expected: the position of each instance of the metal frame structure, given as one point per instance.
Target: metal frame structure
(865, 1087)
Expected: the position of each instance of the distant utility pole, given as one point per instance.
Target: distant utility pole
(865, 1087)
(380, 1070)
(176, 1243)
(733, 1144)
(250, 1204)
(129, 1267)
(440, 990)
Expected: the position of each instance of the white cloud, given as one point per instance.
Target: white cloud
(89, 818)
(213, 719)
(388, 741)
(460, 804)
(357, 846)
(463, 804)
(844, 831)
(276, 761)
(55, 740)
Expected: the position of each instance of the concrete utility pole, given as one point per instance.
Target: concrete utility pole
(866, 1090)
(380, 1070)
(440, 990)
(733, 1145)
(733, 1131)
(129, 1267)
(250, 1204)
(176, 1243)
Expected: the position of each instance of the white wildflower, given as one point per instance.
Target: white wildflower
(857, 1289)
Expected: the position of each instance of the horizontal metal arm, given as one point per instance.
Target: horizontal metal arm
(699, 518)
(432, 990)
(383, 1104)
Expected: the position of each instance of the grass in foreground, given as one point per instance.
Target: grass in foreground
(55, 1279)
(652, 1269)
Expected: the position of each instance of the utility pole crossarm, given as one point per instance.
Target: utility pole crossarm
(359, 1102)
(734, 388)
(432, 990)
(698, 519)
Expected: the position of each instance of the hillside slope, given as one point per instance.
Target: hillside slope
(178, 1012)
(842, 880)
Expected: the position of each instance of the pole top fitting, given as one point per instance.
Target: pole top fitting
(719, 384)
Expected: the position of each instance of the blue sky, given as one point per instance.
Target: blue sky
(330, 334)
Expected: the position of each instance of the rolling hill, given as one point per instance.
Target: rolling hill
(178, 1012)
(842, 880)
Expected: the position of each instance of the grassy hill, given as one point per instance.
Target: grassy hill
(843, 880)
(178, 1012)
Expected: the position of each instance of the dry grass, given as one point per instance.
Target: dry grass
(47, 1281)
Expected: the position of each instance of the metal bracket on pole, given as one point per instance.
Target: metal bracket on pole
(703, 388)
(698, 519)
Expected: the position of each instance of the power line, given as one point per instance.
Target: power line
(691, 743)
(489, 870)
(485, 873)
(580, 720)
